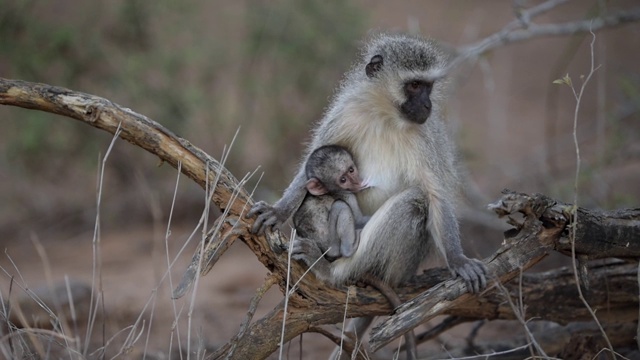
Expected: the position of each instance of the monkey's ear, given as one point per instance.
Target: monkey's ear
(315, 187)
(374, 65)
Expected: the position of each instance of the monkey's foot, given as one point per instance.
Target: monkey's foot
(472, 271)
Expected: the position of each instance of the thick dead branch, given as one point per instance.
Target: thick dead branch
(314, 303)
(532, 242)
(604, 234)
(544, 223)
(549, 295)
(137, 129)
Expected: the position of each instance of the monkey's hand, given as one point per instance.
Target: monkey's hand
(472, 271)
(268, 217)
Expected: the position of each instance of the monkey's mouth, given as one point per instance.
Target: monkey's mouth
(416, 114)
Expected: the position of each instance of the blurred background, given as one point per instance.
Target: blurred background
(206, 69)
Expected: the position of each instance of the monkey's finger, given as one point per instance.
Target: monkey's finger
(299, 252)
(476, 285)
(481, 273)
(256, 228)
(260, 228)
(475, 274)
(483, 278)
(258, 225)
(472, 281)
(263, 220)
(471, 276)
(259, 207)
(266, 220)
(252, 212)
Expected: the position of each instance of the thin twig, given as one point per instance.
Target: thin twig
(167, 234)
(287, 293)
(493, 354)
(74, 316)
(97, 260)
(578, 97)
(446, 324)
(253, 305)
(520, 317)
(56, 320)
(295, 285)
(518, 31)
(344, 321)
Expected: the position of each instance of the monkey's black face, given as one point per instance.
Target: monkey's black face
(417, 106)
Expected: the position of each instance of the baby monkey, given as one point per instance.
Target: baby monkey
(330, 215)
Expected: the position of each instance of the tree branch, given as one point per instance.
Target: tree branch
(315, 303)
(542, 231)
(531, 30)
(136, 129)
(532, 243)
(523, 29)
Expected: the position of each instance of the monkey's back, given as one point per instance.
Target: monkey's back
(312, 219)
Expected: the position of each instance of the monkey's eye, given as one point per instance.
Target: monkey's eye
(351, 169)
(417, 86)
(343, 180)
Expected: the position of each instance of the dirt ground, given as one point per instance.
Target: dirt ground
(135, 289)
(134, 284)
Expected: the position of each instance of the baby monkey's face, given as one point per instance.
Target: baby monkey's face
(349, 179)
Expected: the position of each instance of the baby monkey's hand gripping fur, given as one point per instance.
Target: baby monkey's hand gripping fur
(388, 113)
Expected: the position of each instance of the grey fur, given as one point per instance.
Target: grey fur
(332, 221)
(411, 166)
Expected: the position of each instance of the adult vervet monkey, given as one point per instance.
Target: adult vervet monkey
(388, 113)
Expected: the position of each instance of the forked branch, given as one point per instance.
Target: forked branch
(315, 303)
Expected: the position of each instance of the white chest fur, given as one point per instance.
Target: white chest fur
(389, 164)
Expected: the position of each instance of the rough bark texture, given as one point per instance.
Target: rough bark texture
(603, 234)
(552, 295)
